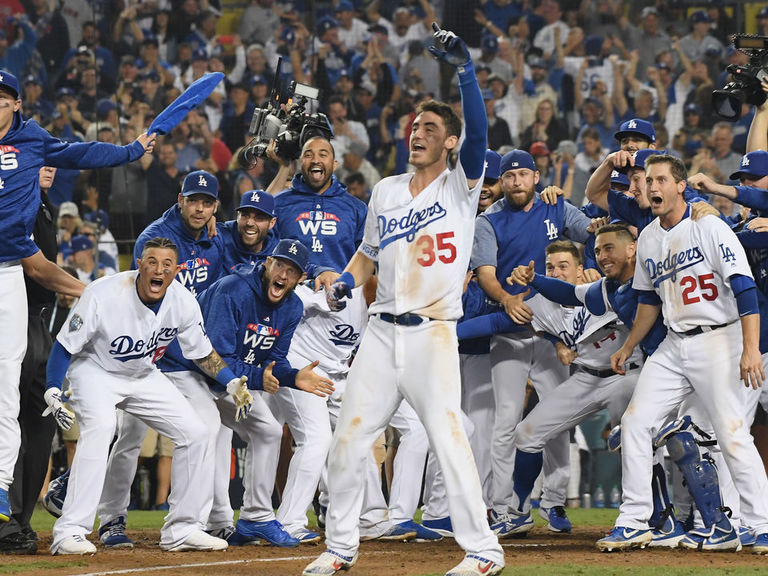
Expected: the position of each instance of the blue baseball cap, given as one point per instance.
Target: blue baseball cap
(326, 23)
(639, 157)
(80, 242)
(619, 178)
(344, 5)
(489, 43)
(258, 200)
(593, 44)
(692, 108)
(294, 251)
(9, 82)
(753, 164)
(492, 165)
(636, 127)
(200, 182)
(199, 54)
(99, 217)
(258, 79)
(700, 16)
(516, 159)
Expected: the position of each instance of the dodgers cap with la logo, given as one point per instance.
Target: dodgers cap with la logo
(753, 165)
(492, 165)
(636, 127)
(293, 250)
(516, 159)
(258, 200)
(9, 82)
(200, 182)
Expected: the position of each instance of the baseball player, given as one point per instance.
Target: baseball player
(423, 221)
(698, 273)
(512, 232)
(250, 317)
(110, 360)
(251, 237)
(26, 147)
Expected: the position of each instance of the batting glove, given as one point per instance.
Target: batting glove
(238, 389)
(454, 50)
(340, 289)
(61, 413)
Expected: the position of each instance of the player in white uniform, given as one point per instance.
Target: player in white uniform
(110, 361)
(419, 229)
(697, 273)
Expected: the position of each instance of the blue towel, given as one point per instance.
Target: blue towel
(197, 92)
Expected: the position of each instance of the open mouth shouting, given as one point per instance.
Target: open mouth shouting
(317, 172)
(655, 199)
(277, 290)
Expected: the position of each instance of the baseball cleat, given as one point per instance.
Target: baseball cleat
(112, 534)
(714, 539)
(387, 532)
(229, 534)
(305, 536)
(669, 535)
(746, 537)
(197, 541)
(270, 531)
(474, 565)
(622, 538)
(18, 543)
(442, 526)
(53, 501)
(5, 506)
(73, 545)
(557, 518)
(423, 534)
(511, 525)
(328, 563)
(761, 544)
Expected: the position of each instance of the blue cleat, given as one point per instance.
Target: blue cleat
(669, 535)
(442, 526)
(271, 531)
(714, 539)
(53, 501)
(305, 536)
(761, 544)
(511, 524)
(112, 534)
(557, 518)
(5, 506)
(623, 538)
(423, 534)
(387, 532)
(746, 537)
(232, 537)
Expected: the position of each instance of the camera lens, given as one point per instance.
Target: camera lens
(727, 103)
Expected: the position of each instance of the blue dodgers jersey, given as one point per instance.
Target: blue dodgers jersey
(200, 260)
(233, 252)
(474, 303)
(524, 236)
(330, 224)
(245, 329)
(23, 151)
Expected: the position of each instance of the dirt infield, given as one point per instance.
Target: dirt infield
(550, 554)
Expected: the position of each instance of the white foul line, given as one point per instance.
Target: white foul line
(205, 564)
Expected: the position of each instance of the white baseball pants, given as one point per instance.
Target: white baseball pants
(477, 403)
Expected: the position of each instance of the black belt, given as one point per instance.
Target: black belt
(701, 329)
(608, 372)
(407, 319)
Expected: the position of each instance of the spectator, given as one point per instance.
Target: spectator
(105, 260)
(89, 94)
(202, 35)
(259, 21)
(104, 238)
(345, 131)
(354, 161)
(150, 60)
(258, 90)
(161, 29)
(585, 162)
(52, 35)
(357, 186)
(152, 92)
(238, 111)
(243, 180)
(83, 260)
(498, 129)
(420, 71)
(648, 40)
(508, 102)
(15, 56)
(545, 38)
(500, 12)
(352, 31)
(35, 106)
(331, 49)
(691, 136)
(541, 90)
(68, 224)
(164, 181)
(403, 27)
(696, 44)
(489, 56)
(545, 127)
(594, 115)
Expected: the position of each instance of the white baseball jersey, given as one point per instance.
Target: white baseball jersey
(113, 328)
(688, 266)
(593, 337)
(422, 244)
(329, 337)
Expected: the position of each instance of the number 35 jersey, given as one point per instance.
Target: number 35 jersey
(689, 267)
(422, 244)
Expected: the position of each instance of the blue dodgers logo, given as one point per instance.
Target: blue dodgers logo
(125, 348)
(344, 335)
(406, 227)
(668, 268)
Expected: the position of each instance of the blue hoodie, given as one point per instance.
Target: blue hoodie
(23, 151)
(201, 260)
(246, 329)
(330, 224)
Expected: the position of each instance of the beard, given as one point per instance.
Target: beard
(518, 201)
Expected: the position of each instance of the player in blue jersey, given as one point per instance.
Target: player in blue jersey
(251, 237)
(25, 147)
(513, 231)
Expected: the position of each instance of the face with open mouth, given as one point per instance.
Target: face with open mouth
(428, 140)
(490, 192)
(157, 269)
(252, 227)
(318, 164)
(519, 186)
(280, 278)
(665, 196)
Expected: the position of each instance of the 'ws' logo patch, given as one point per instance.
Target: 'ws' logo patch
(258, 337)
(316, 222)
(344, 335)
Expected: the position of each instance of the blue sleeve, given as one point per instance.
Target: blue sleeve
(575, 223)
(741, 283)
(551, 337)
(746, 294)
(86, 155)
(624, 208)
(58, 364)
(648, 297)
(751, 239)
(472, 153)
(488, 325)
(594, 300)
(752, 197)
(283, 370)
(555, 290)
(590, 261)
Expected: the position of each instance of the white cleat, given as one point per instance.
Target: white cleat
(474, 565)
(77, 545)
(198, 541)
(328, 563)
